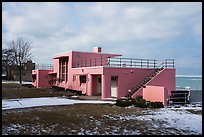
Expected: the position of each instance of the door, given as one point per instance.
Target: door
(99, 85)
(114, 80)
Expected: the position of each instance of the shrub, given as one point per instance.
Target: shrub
(155, 105)
(138, 102)
(123, 103)
(141, 105)
(139, 98)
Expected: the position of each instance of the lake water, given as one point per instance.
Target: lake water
(188, 82)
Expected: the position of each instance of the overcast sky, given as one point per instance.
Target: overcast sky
(137, 30)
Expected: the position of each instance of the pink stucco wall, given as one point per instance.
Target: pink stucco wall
(155, 93)
(90, 59)
(128, 78)
(41, 78)
(166, 78)
(90, 72)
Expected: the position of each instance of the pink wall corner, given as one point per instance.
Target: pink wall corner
(42, 78)
(128, 78)
(74, 79)
(155, 93)
(138, 93)
(56, 66)
(34, 81)
(106, 86)
(167, 79)
(56, 61)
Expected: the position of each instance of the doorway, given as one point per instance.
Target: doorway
(114, 85)
(98, 85)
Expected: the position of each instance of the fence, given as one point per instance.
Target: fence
(130, 62)
(167, 63)
(90, 62)
(44, 66)
(115, 62)
(123, 62)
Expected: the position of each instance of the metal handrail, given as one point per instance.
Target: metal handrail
(165, 63)
(44, 66)
(116, 62)
(151, 73)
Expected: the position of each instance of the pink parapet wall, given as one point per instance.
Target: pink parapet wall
(155, 94)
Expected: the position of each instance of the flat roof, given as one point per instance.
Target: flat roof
(61, 55)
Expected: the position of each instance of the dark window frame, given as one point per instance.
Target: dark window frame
(82, 79)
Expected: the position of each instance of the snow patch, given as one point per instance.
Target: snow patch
(23, 82)
(34, 102)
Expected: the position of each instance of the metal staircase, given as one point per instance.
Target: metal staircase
(153, 74)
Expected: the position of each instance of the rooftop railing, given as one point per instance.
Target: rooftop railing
(130, 62)
(115, 62)
(167, 63)
(123, 62)
(44, 66)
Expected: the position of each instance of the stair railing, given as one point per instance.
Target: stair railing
(164, 64)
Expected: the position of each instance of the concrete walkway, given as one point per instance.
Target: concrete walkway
(48, 101)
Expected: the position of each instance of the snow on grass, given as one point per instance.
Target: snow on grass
(14, 128)
(23, 82)
(33, 102)
(177, 118)
(182, 120)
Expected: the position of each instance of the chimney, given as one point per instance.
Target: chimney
(97, 49)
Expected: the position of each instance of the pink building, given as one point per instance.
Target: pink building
(109, 76)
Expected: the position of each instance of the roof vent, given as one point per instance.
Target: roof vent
(97, 49)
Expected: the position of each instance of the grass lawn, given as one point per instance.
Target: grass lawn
(15, 90)
(84, 119)
(71, 119)
(88, 119)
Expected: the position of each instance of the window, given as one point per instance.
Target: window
(63, 68)
(82, 79)
(74, 78)
(34, 78)
(114, 78)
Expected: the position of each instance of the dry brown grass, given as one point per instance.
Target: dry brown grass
(69, 119)
(11, 85)
(15, 90)
(95, 119)
(87, 119)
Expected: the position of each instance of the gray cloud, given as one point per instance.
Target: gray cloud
(132, 29)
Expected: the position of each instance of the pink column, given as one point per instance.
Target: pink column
(38, 79)
(106, 86)
(90, 89)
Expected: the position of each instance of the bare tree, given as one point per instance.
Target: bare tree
(7, 61)
(22, 51)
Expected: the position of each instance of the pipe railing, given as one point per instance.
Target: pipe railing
(131, 62)
(167, 63)
(121, 62)
(115, 62)
(44, 66)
